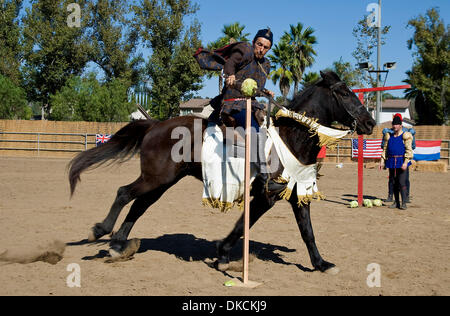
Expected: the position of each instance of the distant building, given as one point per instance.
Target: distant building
(137, 115)
(198, 107)
(390, 107)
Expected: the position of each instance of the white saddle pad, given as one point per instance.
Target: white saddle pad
(223, 174)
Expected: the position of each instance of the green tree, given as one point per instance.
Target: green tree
(280, 61)
(171, 69)
(11, 51)
(114, 40)
(13, 102)
(366, 47)
(365, 51)
(347, 73)
(87, 99)
(429, 76)
(309, 78)
(301, 41)
(53, 51)
(232, 33)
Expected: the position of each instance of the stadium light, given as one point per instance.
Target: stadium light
(365, 65)
(390, 65)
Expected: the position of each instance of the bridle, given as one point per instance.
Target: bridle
(353, 113)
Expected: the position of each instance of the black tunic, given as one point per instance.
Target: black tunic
(243, 64)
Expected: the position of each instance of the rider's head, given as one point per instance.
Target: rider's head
(262, 42)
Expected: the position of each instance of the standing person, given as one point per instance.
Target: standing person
(396, 156)
(390, 183)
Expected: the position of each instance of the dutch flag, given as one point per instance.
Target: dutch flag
(427, 150)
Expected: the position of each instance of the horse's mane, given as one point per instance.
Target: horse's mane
(300, 98)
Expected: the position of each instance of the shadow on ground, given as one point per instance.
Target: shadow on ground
(188, 247)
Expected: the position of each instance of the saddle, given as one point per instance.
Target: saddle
(234, 136)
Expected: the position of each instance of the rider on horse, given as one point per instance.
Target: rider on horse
(243, 61)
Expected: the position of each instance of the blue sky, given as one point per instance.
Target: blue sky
(333, 22)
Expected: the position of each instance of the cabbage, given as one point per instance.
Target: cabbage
(368, 203)
(249, 87)
(377, 202)
(354, 204)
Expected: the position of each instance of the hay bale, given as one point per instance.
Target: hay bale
(371, 165)
(431, 166)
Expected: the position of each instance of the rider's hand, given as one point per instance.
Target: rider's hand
(230, 81)
(271, 93)
(404, 166)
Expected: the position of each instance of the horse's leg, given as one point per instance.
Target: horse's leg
(302, 216)
(124, 196)
(119, 240)
(258, 207)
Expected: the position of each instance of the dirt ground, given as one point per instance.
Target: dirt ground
(411, 248)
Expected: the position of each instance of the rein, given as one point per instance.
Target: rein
(353, 114)
(332, 88)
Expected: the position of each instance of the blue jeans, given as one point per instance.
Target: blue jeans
(240, 118)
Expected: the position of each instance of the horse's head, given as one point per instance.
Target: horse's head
(346, 107)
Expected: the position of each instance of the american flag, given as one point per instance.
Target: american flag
(101, 139)
(371, 149)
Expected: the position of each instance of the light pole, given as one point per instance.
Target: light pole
(386, 67)
(378, 64)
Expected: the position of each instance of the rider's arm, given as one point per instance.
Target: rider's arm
(234, 60)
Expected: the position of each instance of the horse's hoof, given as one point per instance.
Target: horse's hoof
(96, 232)
(91, 236)
(114, 254)
(129, 249)
(221, 266)
(332, 271)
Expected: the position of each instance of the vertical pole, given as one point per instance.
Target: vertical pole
(337, 149)
(38, 143)
(378, 63)
(247, 191)
(360, 169)
(360, 161)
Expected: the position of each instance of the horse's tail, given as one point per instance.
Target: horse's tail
(121, 147)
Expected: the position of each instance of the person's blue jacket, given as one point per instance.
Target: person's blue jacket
(405, 129)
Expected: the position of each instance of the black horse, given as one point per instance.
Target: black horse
(328, 100)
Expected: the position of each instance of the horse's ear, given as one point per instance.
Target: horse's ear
(327, 78)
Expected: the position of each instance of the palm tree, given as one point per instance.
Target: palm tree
(347, 73)
(309, 78)
(281, 56)
(232, 33)
(301, 42)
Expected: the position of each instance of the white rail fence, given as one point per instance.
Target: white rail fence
(86, 141)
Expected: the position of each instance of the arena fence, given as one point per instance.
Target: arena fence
(50, 138)
(65, 139)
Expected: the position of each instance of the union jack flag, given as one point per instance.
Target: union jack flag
(101, 139)
(371, 148)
